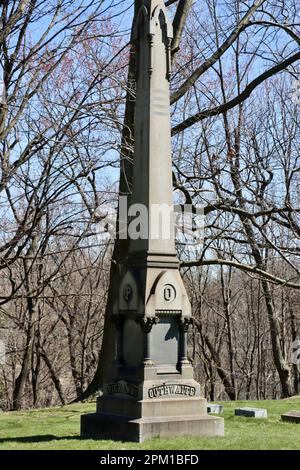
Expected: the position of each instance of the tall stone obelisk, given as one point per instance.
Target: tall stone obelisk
(150, 390)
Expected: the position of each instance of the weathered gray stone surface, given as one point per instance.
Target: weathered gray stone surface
(260, 413)
(96, 425)
(150, 389)
(291, 417)
(214, 408)
(167, 333)
(152, 407)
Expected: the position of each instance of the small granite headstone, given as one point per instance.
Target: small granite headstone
(214, 408)
(251, 412)
(291, 417)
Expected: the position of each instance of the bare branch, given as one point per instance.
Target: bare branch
(217, 54)
(238, 99)
(244, 267)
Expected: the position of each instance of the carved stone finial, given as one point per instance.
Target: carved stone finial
(147, 323)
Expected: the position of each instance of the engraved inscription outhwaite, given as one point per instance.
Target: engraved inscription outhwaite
(171, 389)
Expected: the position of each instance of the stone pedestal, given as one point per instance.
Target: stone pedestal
(168, 407)
(162, 405)
(109, 426)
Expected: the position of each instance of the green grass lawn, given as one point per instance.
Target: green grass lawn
(58, 428)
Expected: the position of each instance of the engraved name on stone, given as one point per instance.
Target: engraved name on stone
(122, 388)
(171, 389)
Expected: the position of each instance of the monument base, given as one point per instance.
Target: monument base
(161, 422)
(120, 428)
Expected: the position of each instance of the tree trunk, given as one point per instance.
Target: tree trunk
(27, 357)
(72, 353)
(295, 366)
(54, 377)
(218, 363)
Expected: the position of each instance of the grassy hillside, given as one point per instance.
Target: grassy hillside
(58, 428)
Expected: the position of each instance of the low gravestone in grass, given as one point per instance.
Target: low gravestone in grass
(291, 417)
(259, 413)
(214, 408)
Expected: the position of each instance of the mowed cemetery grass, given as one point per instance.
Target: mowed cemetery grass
(58, 428)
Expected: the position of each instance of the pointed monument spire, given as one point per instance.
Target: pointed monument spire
(150, 390)
(152, 181)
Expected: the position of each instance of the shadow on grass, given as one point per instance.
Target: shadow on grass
(42, 438)
(62, 409)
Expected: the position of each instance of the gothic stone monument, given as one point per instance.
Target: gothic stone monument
(150, 390)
